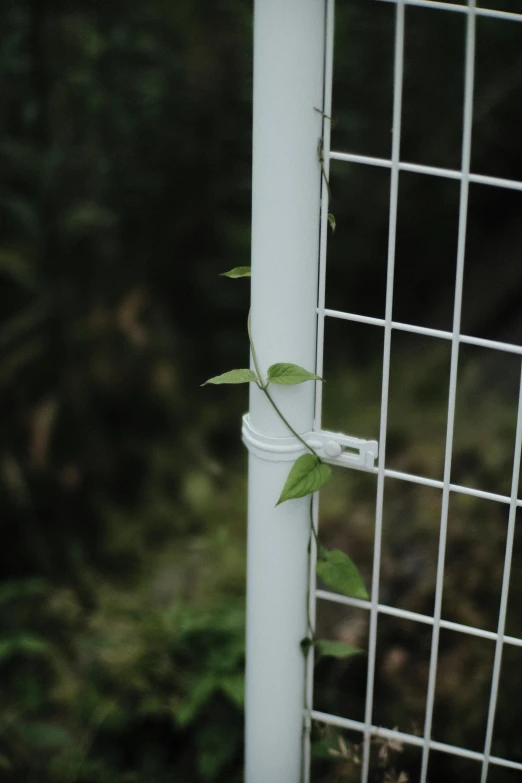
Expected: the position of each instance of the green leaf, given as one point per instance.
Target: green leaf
(289, 374)
(305, 645)
(238, 271)
(234, 376)
(308, 474)
(322, 747)
(340, 573)
(335, 649)
(331, 220)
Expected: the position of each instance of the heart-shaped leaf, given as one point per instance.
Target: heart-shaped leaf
(340, 573)
(331, 220)
(289, 374)
(238, 271)
(234, 376)
(308, 474)
(335, 649)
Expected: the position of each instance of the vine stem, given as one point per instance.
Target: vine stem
(320, 157)
(263, 387)
(254, 357)
(305, 444)
(311, 630)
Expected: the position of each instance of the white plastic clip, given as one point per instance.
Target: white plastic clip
(332, 447)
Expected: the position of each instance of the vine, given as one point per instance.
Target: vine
(308, 474)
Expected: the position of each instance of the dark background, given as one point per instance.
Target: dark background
(125, 135)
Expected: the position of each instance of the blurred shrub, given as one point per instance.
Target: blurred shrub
(129, 693)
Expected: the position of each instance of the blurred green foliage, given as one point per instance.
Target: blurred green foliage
(121, 641)
(129, 692)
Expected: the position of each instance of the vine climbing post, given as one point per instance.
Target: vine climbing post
(288, 84)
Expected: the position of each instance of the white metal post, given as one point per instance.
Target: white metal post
(288, 85)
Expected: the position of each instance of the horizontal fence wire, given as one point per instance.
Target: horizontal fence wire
(410, 739)
(436, 484)
(433, 171)
(405, 614)
(489, 13)
(426, 331)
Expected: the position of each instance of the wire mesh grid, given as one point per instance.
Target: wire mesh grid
(374, 606)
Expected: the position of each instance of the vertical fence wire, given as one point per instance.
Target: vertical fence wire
(325, 204)
(324, 150)
(392, 233)
(309, 692)
(499, 647)
(461, 250)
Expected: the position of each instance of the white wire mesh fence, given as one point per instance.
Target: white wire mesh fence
(375, 608)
